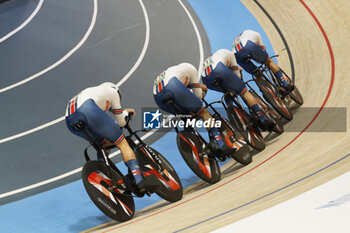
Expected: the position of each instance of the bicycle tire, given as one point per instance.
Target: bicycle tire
(168, 182)
(239, 119)
(95, 179)
(272, 114)
(296, 96)
(191, 150)
(236, 141)
(270, 94)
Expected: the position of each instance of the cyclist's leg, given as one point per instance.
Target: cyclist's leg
(230, 81)
(130, 161)
(233, 82)
(104, 126)
(184, 99)
(243, 59)
(162, 97)
(193, 105)
(211, 80)
(260, 55)
(278, 73)
(78, 116)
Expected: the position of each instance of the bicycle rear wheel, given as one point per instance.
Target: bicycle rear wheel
(235, 141)
(192, 151)
(272, 114)
(240, 121)
(295, 94)
(270, 94)
(96, 180)
(169, 185)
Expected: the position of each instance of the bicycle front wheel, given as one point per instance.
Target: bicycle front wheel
(169, 185)
(270, 94)
(192, 150)
(240, 121)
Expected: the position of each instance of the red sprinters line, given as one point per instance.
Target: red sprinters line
(312, 121)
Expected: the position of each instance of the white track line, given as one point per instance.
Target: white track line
(20, 27)
(201, 52)
(32, 130)
(144, 49)
(199, 38)
(65, 57)
(82, 41)
(57, 177)
(138, 62)
(131, 71)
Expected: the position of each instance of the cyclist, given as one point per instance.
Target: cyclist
(175, 84)
(90, 106)
(248, 45)
(221, 73)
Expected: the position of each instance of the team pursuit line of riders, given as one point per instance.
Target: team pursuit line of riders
(179, 90)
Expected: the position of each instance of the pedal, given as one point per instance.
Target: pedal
(211, 149)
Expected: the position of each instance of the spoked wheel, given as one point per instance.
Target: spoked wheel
(191, 148)
(114, 204)
(270, 94)
(169, 186)
(240, 121)
(236, 141)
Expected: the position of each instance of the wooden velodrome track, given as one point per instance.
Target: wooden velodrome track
(317, 33)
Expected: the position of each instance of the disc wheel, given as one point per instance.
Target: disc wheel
(270, 94)
(272, 114)
(296, 96)
(236, 141)
(239, 119)
(169, 183)
(192, 150)
(114, 204)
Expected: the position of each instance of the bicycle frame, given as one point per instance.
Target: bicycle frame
(217, 113)
(110, 165)
(133, 145)
(255, 92)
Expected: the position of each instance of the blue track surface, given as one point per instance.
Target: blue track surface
(14, 13)
(68, 208)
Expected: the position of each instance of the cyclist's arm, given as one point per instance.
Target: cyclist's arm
(257, 38)
(237, 70)
(194, 83)
(234, 67)
(258, 41)
(116, 108)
